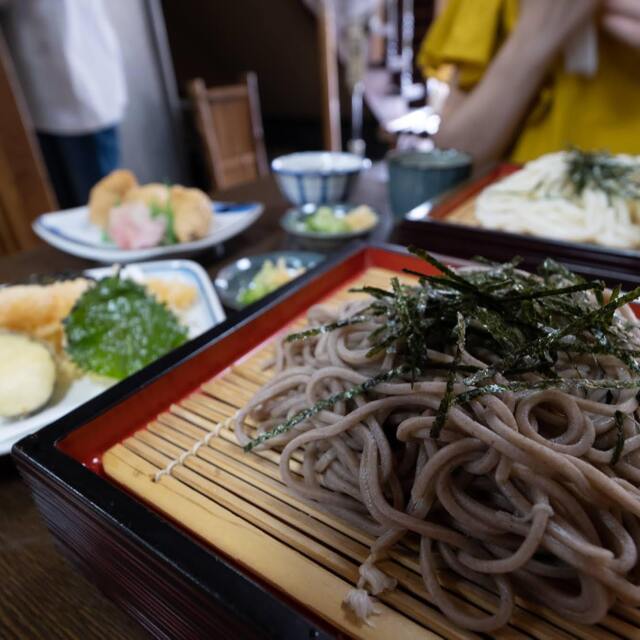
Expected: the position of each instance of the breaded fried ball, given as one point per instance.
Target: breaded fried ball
(152, 193)
(27, 375)
(192, 213)
(109, 192)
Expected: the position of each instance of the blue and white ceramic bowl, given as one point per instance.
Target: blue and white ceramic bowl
(317, 176)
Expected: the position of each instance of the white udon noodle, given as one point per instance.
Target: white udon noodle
(536, 201)
(517, 494)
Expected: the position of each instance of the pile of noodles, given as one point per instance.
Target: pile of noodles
(521, 492)
(536, 200)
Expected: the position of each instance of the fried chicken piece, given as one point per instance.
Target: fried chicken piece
(192, 213)
(109, 192)
(152, 193)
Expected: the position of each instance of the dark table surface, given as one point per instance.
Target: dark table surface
(41, 596)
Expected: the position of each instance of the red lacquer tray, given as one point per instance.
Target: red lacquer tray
(430, 226)
(171, 580)
(175, 585)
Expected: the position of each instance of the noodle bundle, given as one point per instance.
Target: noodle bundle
(510, 460)
(541, 200)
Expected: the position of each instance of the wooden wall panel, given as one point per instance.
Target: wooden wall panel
(24, 185)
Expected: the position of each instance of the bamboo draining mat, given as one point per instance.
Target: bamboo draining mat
(237, 503)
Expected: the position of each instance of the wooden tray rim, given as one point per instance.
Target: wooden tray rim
(153, 535)
(437, 209)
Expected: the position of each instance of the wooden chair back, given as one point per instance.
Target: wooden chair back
(24, 186)
(229, 122)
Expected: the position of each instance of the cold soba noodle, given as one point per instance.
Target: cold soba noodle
(490, 412)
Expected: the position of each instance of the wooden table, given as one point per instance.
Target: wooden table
(41, 596)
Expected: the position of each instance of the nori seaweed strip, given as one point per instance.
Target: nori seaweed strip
(498, 329)
(327, 403)
(461, 286)
(626, 357)
(525, 321)
(382, 346)
(603, 172)
(496, 286)
(599, 349)
(514, 262)
(375, 292)
(325, 328)
(548, 383)
(448, 397)
(434, 262)
(548, 341)
(587, 286)
(410, 326)
(447, 366)
(617, 450)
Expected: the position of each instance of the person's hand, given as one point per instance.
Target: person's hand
(545, 25)
(621, 19)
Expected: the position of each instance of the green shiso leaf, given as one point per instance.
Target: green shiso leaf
(116, 328)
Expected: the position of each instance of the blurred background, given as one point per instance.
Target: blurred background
(337, 75)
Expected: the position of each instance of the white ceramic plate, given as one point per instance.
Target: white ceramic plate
(202, 315)
(72, 232)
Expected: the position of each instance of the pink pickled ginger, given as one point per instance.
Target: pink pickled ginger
(131, 226)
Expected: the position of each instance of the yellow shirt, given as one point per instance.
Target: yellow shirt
(597, 113)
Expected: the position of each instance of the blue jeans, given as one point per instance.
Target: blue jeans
(76, 163)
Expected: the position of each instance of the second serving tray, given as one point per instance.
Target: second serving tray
(445, 224)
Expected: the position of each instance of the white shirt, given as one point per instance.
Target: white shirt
(69, 64)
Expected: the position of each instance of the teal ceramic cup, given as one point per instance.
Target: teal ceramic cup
(418, 176)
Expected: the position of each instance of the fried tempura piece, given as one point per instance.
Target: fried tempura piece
(27, 375)
(178, 295)
(152, 193)
(109, 192)
(192, 213)
(38, 310)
